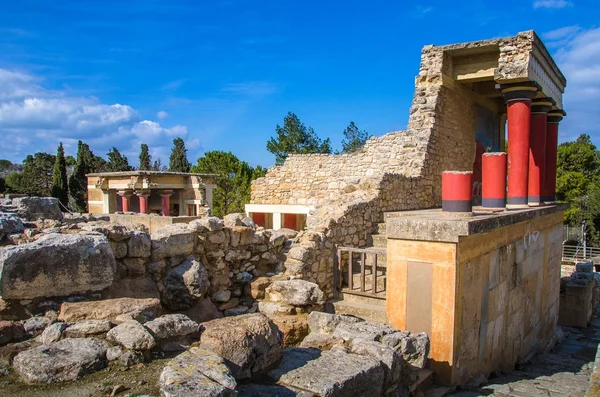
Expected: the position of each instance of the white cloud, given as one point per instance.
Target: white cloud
(162, 115)
(579, 59)
(33, 118)
(552, 4)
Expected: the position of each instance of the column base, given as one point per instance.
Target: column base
(493, 203)
(516, 206)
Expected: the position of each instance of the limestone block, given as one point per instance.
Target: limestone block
(56, 265)
(67, 359)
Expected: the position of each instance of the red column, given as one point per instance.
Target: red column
(493, 184)
(457, 191)
(143, 197)
(549, 187)
(537, 149)
(518, 100)
(125, 197)
(166, 194)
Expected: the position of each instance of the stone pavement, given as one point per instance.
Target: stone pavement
(564, 372)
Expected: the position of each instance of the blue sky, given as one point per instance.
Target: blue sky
(222, 74)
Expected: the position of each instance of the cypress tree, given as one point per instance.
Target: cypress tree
(145, 159)
(116, 161)
(78, 180)
(178, 161)
(60, 188)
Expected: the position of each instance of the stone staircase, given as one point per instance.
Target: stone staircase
(367, 305)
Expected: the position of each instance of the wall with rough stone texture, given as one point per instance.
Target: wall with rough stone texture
(233, 255)
(398, 171)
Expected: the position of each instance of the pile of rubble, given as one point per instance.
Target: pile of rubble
(78, 294)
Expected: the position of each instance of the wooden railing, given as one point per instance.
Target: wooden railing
(360, 266)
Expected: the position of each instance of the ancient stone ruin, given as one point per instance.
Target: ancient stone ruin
(344, 277)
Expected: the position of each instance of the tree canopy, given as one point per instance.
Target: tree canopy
(578, 183)
(86, 163)
(178, 161)
(37, 174)
(116, 161)
(354, 139)
(295, 137)
(233, 178)
(60, 188)
(145, 158)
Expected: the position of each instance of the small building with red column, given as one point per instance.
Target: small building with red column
(150, 192)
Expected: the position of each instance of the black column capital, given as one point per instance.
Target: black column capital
(519, 91)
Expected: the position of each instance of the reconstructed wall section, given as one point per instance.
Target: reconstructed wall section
(400, 170)
(488, 299)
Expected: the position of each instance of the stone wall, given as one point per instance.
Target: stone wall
(398, 171)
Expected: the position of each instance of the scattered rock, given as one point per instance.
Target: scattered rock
(203, 311)
(56, 265)
(8, 352)
(321, 341)
(34, 326)
(221, 296)
(53, 333)
(109, 309)
(326, 323)
(67, 359)
(87, 328)
(11, 331)
(230, 304)
(197, 372)
(131, 335)
(250, 342)
(294, 328)
(114, 352)
(362, 330)
(415, 350)
(185, 285)
(333, 373)
(391, 360)
(129, 359)
(295, 292)
(258, 286)
(34, 208)
(10, 224)
(172, 326)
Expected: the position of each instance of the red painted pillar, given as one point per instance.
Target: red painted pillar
(493, 184)
(537, 149)
(143, 197)
(457, 191)
(125, 197)
(549, 188)
(518, 100)
(166, 194)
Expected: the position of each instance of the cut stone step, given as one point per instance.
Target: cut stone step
(366, 297)
(374, 313)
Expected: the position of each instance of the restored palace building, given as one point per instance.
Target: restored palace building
(150, 192)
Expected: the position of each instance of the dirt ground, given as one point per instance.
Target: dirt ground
(136, 381)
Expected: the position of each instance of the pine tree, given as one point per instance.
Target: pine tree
(145, 158)
(354, 139)
(294, 137)
(60, 189)
(233, 178)
(178, 161)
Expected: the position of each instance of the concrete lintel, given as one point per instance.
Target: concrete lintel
(435, 225)
(279, 208)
